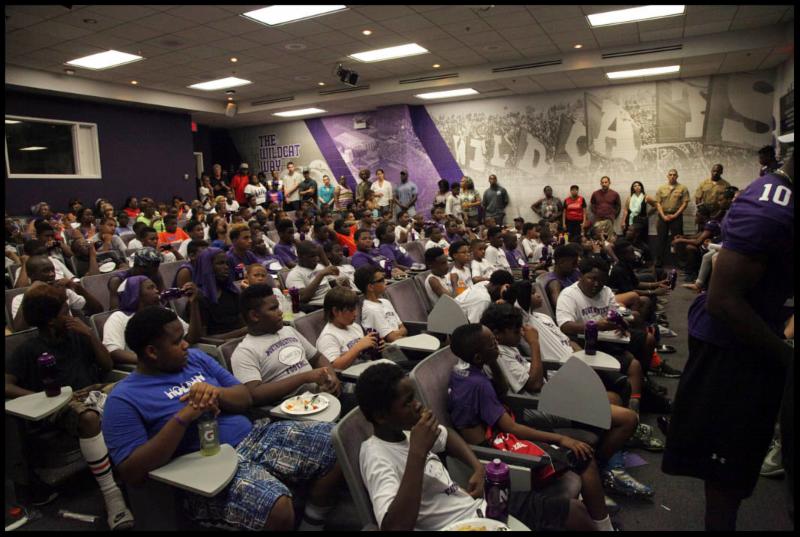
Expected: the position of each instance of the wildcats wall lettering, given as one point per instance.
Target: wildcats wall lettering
(271, 155)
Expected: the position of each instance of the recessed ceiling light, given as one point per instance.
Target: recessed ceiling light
(33, 148)
(390, 53)
(274, 15)
(650, 71)
(134, 82)
(222, 83)
(12, 122)
(578, 46)
(230, 98)
(635, 14)
(320, 83)
(447, 93)
(436, 66)
(295, 46)
(300, 112)
(367, 32)
(105, 60)
(234, 60)
(90, 21)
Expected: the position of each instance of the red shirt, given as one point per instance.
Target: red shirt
(165, 237)
(132, 213)
(238, 183)
(573, 208)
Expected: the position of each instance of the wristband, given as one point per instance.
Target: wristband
(179, 420)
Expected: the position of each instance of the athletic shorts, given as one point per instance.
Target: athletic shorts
(635, 347)
(272, 457)
(539, 511)
(724, 415)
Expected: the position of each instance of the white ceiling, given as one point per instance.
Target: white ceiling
(184, 45)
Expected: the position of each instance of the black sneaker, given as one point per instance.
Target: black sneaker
(657, 388)
(656, 403)
(663, 424)
(620, 482)
(664, 370)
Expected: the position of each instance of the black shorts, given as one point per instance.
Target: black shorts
(539, 511)
(724, 415)
(635, 347)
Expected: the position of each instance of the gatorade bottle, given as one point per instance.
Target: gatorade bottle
(209, 434)
(48, 374)
(590, 333)
(497, 490)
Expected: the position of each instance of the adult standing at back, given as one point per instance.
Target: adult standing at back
(291, 187)
(605, 205)
(470, 202)
(495, 201)
(239, 182)
(363, 187)
(711, 191)
(549, 208)
(308, 188)
(574, 216)
(405, 195)
(383, 191)
(671, 200)
(218, 183)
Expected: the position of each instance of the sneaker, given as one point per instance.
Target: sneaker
(657, 389)
(618, 481)
(663, 424)
(643, 438)
(773, 463)
(611, 506)
(666, 332)
(120, 521)
(664, 370)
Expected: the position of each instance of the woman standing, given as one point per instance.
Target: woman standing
(343, 195)
(470, 201)
(574, 214)
(441, 197)
(635, 210)
(132, 207)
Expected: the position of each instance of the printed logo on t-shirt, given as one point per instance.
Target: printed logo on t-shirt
(183, 388)
(591, 311)
(290, 356)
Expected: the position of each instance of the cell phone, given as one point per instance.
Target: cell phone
(166, 247)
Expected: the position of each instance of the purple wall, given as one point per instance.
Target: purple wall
(143, 152)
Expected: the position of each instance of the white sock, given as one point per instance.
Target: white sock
(603, 524)
(95, 452)
(314, 517)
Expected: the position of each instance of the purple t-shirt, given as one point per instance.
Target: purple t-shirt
(471, 399)
(234, 260)
(394, 254)
(760, 222)
(360, 259)
(713, 227)
(515, 259)
(285, 254)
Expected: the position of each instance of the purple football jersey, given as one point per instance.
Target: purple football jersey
(759, 223)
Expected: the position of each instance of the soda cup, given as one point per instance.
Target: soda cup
(615, 317)
(294, 294)
(590, 333)
(48, 374)
(497, 490)
(208, 430)
(346, 251)
(239, 272)
(387, 269)
(673, 279)
(526, 273)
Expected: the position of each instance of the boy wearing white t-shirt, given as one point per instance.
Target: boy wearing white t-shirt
(477, 298)
(309, 276)
(495, 255)
(275, 361)
(460, 275)
(531, 244)
(342, 340)
(481, 268)
(378, 313)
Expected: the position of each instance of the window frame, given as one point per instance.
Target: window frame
(92, 152)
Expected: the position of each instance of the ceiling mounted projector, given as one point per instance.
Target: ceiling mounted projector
(346, 75)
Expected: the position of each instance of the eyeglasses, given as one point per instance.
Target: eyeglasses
(382, 280)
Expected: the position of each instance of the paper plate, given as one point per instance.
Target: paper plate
(107, 267)
(477, 524)
(300, 405)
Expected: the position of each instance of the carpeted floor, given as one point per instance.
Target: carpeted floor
(678, 503)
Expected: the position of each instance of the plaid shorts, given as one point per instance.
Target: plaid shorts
(271, 457)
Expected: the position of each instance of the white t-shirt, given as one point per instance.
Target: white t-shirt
(232, 206)
(443, 244)
(272, 357)
(291, 181)
(474, 301)
(135, 244)
(532, 249)
(61, 270)
(497, 258)
(114, 331)
(516, 368)
(259, 191)
(334, 341)
(204, 191)
(452, 205)
(75, 301)
(300, 277)
(481, 269)
(397, 234)
(553, 343)
(464, 277)
(574, 306)
(442, 502)
(380, 316)
(386, 190)
(445, 280)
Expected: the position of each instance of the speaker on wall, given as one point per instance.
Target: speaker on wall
(231, 109)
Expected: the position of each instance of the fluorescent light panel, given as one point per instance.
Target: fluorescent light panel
(650, 71)
(448, 93)
(390, 53)
(635, 14)
(12, 122)
(105, 60)
(300, 112)
(33, 148)
(274, 15)
(222, 83)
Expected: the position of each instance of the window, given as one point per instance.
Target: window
(51, 149)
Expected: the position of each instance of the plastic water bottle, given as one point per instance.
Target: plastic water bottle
(673, 279)
(590, 333)
(497, 490)
(387, 269)
(615, 317)
(208, 429)
(294, 294)
(526, 272)
(286, 305)
(239, 272)
(48, 374)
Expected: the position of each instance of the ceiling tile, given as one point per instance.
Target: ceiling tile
(748, 11)
(383, 12)
(304, 28)
(192, 36)
(124, 13)
(706, 29)
(598, 8)
(426, 8)
(538, 52)
(344, 19)
(60, 30)
(199, 13)
(266, 36)
(452, 14)
(744, 61)
(234, 44)
(165, 22)
(460, 29)
(502, 22)
(483, 38)
(566, 25)
(553, 81)
(705, 59)
(743, 23)
(544, 14)
(697, 15)
(408, 22)
(789, 15)
(44, 12)
(204, 51)
(524, 32)
(658, 35)
(20, 19)
(614, 37)
(31, 40)
(234, 25)
(773, 60)
(661, 24)
(109, 40)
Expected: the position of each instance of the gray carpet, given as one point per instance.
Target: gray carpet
(678, 503)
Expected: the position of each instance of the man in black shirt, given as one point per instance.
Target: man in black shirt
(81, 359)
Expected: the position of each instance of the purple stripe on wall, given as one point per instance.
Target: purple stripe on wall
(434, 144)
(329, 152)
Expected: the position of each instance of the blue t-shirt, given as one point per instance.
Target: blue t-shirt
(760, 223)
(326, 193)
(360, 259)
(471, 399)
(405, 192)
(141, 405)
